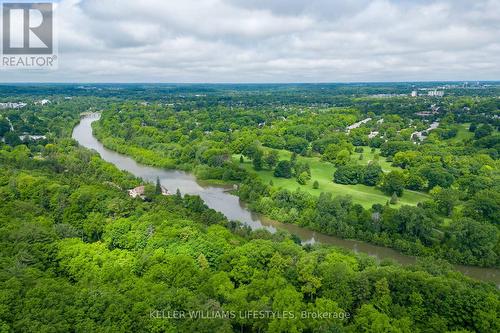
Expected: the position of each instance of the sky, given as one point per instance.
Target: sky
(224, 41)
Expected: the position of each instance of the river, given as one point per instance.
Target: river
(218, 198)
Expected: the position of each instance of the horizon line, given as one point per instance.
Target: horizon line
(250, 83)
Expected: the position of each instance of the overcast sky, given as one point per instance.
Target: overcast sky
(274, 41)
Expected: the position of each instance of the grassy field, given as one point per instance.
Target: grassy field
(323, 173)
(462, 134)
(368, 156)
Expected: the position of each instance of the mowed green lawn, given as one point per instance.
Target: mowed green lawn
(462, 134)
(323, 173)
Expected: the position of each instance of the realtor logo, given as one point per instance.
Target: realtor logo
(28, 35)
(27, 28)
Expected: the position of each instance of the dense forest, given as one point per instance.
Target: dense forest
(78, 254)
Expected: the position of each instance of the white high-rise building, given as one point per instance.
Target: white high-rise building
(436, 93)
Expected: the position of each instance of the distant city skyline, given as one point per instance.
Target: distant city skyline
(281, 41)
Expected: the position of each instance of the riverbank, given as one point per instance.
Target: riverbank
(217, 197)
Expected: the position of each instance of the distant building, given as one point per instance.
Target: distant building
(26, 137)
(11, 105)
(414, 93)
(42, 102)
(137, 192)
(424, 114)
(422, 135)
(359, 123)
(435, 93)
(388, 95)
(434, 110)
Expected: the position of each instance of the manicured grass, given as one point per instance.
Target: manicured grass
(462, 134)
(368, 156)
(323, 173)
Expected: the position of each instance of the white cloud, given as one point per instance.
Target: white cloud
(274, 41)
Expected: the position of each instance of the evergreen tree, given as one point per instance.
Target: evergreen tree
(394, 199)
(158, 186)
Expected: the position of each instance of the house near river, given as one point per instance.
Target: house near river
(139, 192)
